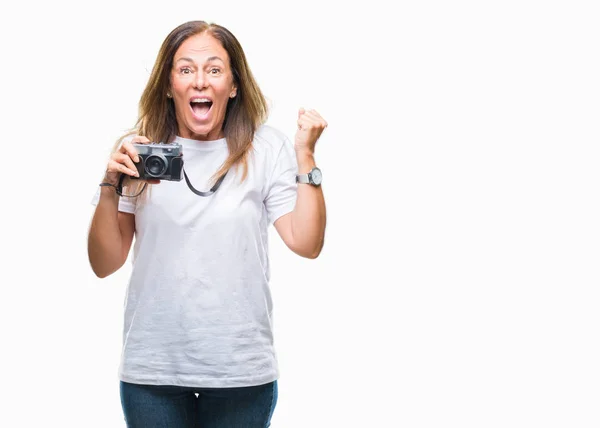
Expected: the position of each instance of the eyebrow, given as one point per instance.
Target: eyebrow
(212, 58)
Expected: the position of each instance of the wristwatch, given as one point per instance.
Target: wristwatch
(313, 177)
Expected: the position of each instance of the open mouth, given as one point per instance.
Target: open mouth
(201, 106)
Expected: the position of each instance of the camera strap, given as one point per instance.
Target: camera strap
(210, 192)
(119, 186)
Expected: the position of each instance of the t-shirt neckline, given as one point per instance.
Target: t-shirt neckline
(189, 143)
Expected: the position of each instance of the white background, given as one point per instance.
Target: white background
(458, 286)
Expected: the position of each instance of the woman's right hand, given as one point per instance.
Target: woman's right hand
(122, 161)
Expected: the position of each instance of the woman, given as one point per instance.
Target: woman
(198, 307)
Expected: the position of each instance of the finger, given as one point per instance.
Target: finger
(314, 115)
(114, 166)
(126, 160)
(128, 148)
(311, 123)
(304, 121)
(300, 112)
(300, 124)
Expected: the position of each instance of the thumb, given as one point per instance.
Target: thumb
(300, 112)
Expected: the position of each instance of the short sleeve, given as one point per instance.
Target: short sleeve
(282, 187)
(126, 205)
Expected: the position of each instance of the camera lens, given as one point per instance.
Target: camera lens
(155, 166)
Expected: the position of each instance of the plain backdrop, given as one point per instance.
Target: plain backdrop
(458, 285)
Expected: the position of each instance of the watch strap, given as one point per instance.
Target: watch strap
(302, 178)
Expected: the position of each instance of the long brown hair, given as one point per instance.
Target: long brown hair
(245, 112)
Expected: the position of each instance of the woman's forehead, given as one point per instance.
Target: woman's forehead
(201, 47)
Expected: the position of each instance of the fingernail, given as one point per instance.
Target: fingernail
(137, 159)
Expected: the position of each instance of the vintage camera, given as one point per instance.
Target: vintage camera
(159, 161)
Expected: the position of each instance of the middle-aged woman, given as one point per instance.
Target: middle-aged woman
(198, 348)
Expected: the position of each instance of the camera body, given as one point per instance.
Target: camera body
(159, 161)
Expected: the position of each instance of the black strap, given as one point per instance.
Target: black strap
(210, 192)
(119, 186)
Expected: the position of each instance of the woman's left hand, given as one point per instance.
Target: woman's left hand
(310, 127)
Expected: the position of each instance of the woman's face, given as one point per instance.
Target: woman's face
(201, 86)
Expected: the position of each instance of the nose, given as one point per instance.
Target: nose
(200, 81)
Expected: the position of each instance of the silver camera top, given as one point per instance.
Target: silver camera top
(172, 149)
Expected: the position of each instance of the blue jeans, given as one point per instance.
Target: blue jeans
(153, 406)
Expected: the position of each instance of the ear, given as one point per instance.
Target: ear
(233, 92)
(169, 90)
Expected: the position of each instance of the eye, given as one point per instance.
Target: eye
(215, 71)
(185, 70)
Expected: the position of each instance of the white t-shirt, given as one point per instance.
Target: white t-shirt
(198, 309)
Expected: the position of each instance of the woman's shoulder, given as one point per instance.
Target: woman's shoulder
(268, 138)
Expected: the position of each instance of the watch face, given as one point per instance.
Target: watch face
(316, 176)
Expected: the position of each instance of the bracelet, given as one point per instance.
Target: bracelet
(107, 185)
(117, 188)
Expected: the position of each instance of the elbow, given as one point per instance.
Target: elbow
(100, 272)
(306, 253)
(104, 263)
(312, 256)
(104, 268)
(312, 253)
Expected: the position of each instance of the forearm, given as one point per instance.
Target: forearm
(105, 238)
(309, 216)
